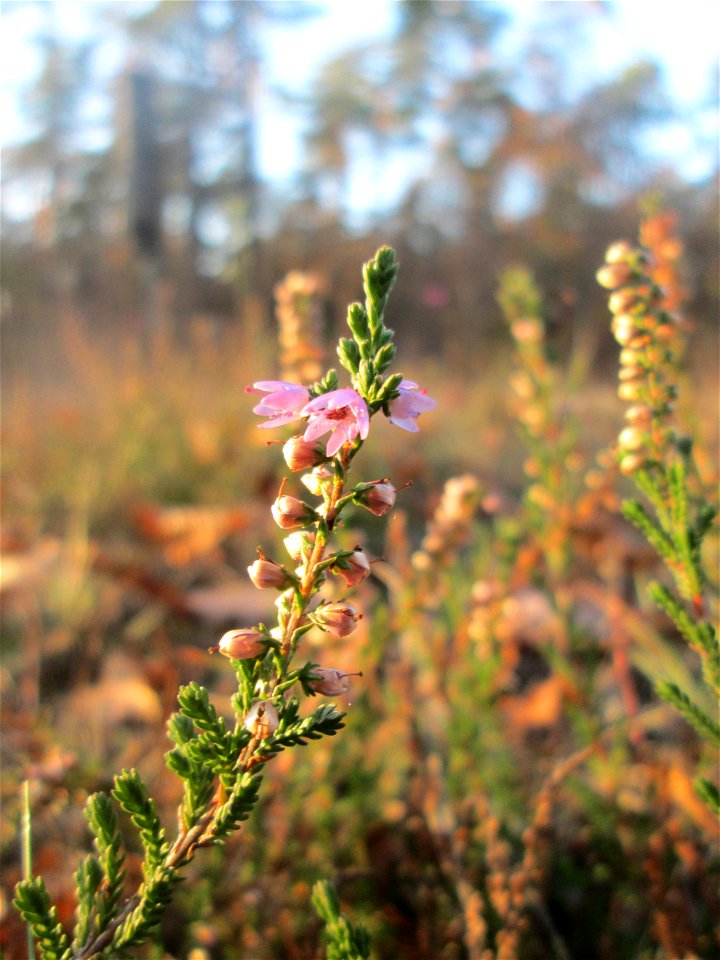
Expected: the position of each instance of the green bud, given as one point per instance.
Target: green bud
(358, 322)
(384, 357)
(349, 355)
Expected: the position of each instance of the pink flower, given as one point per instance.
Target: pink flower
(243, 644)
(405, 409)
(342, 412)
(353, 567)
(339, 618)
(283, 402)
(329, 682)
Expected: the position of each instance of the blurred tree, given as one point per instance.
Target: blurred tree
(464, 146)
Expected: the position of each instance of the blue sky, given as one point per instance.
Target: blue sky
(681, 37)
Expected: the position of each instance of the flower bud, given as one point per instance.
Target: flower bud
(665, 332)
(262, 719)
(630, 391)
(522, 384)
(631, 439)
(378, 497)
(638, 415)
(613, 275)
(338, 618)
(243, 644)
(266, 573)
(527, 330)
(301, 454)
(631, 462)
(330, 682)
(299, 544)
(623, 300)
(629, 357)
(618, 252)
(631, 373)
(624, 328)
(318, 479)
(353, 568)
(290, 513)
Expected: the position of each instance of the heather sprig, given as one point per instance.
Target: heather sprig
(548, 433)
(220, 758)
(345, 940)
(676, 515)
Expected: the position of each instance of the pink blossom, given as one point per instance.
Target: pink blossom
(283, 402)
(405, 409)
(342, 412)
(329, 682)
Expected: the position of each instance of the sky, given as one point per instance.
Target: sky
(681, 37)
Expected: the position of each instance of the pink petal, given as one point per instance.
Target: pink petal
(342, 434)
(406, 424)
(317, 427)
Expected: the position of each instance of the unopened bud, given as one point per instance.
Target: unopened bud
(378, 497)
(631, 373)
(613, 275)
(527, 330)
(629, 357)
(638, 415)
(619, 252)
(522, 384)
(631, 463)
(631, 439)
(353, 568)
(623, 300)
(300, 544)
(262, 719)
(665, 332)
(338, 618)
(318, 479)
(266, 573)
(330, 682)
(301, 454)
(290, 513)
(631, 391)
(243, 644)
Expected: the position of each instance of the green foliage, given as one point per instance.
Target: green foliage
(197, 779)
(237, 807)
(371, 351)
(103, 823)
(33, 902)
(705, 725)
(132, 795)
(88, 877)
(154, 895)
(345, 941)
(325, 721)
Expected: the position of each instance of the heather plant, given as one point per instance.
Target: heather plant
(220, 761)
(548, 433)
(676, 514)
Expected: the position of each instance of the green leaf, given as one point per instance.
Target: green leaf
(384, 357)
(132, 795)
(357, 320)
(636, 513)
(345, 941)
(379, 275)
(36, 909)
(155, 894)
(100, 814)
(349, 355)
(88, 878)
(708, 728)
(238, 806)
(708, 792)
